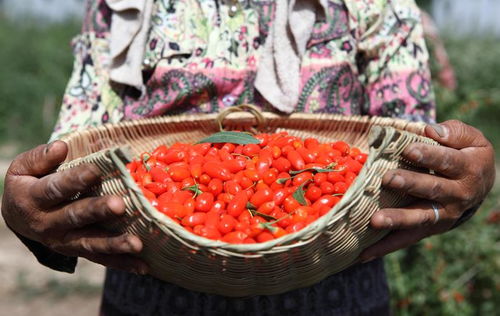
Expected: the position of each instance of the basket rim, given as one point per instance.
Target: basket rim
(151, 214)
(183, 118)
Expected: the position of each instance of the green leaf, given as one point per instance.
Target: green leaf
(253, 211)
(317, 170)
(328, 168)
(194, 188)
(269, 227)
(299, 194)
(250, 206)
(282, 180)
(264, 216)
(241, 155)
(231, 137)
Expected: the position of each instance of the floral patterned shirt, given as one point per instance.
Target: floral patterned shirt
(365, 57)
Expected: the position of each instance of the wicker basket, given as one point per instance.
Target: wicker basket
(325, 247)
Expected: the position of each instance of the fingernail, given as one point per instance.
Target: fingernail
(368, 260)
(441, 130)
(48, 147)
(397, 181)
(126, 246)
(134, 244)
(388, 222)
(116, 205)
(415, 155)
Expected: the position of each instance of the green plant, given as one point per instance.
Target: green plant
(36, 64)
(458, 273)
(476, 100)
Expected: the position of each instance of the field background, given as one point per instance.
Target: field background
(453, 274)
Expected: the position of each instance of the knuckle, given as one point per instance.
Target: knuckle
(53, 190)
(86, 245)
(459, 128)
(447, 162)
(40, 228)
(466, 197)
(72, 217)
(112, 244)
(97, 209)
(101, 207)
(436, 190)
(87, 174)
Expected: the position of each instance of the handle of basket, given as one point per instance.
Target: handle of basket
(252, 109)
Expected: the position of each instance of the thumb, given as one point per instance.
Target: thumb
(39, 161)
(456, 134)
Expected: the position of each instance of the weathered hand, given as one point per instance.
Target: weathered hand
(36, 204)
(464, 174)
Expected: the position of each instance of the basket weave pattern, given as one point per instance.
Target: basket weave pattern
(327, 246)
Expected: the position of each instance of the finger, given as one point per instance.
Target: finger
(40, 160)
(413, 216)
(456, 134)
(444, 160)
(59, 187)
(392, 242)
(97, 241)
(85, 212)
(121, 262)
(425, 186)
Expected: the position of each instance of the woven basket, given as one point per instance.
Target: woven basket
(329, 245)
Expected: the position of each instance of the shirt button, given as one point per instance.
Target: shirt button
(233, 10)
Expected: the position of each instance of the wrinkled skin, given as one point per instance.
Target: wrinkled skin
(464, 174)
(37, 204)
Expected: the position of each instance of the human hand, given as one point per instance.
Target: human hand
(37, 205)
(464, 174)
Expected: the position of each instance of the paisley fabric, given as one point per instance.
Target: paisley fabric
(364, 57)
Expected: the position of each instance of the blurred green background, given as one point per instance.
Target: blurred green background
(453, 274)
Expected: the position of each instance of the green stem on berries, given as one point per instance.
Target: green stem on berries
(145, 159)
(269, 225)
(328, 168)
(194, 188)
(299, 194)
(264, 216)
(241, 155)
(253, 212)
(283, 180)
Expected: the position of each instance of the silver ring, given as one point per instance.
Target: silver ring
(436, 212)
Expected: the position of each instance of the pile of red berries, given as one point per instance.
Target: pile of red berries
(247, 193)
